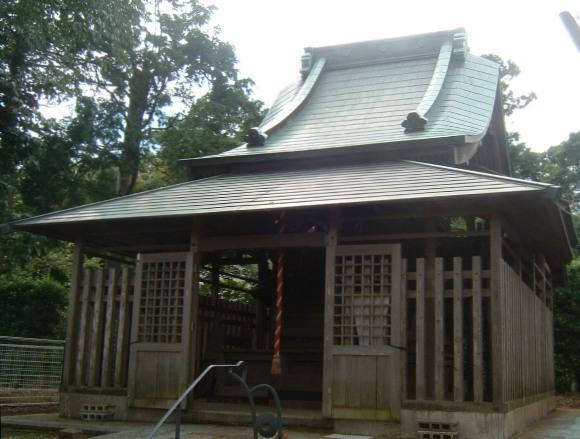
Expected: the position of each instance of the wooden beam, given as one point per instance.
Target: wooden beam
(74, 294)
(419, 235)
(331, 242)
(288, 240)
(497, 310)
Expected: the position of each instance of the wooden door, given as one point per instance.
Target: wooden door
(365, 316)
(160, 358)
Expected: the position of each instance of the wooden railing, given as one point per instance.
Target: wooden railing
(447, 330)
(528, 337)
(102, 351)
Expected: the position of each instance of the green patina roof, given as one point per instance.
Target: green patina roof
(360, 94)
(272, 190)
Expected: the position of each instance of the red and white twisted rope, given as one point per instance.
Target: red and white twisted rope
(276, 364)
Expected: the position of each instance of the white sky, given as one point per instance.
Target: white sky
(269, 36)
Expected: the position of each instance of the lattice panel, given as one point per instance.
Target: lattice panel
(362, 301)
(437, 430)
(161, 305)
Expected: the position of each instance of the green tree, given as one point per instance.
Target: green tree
(508, 70)
(214, 123)
(169, 56)
(39, 45)
(567, 329)
(32, 307)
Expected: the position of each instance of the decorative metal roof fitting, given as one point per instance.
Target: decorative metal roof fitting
(255, 137)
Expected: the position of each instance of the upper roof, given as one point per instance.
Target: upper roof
(362, 94)
(273, 190)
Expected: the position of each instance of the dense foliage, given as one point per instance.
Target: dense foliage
(32, 307)
(138, 83)
(567, 330)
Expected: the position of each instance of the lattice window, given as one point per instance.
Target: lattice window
(362, 301)
(161, 305)
(437, 430)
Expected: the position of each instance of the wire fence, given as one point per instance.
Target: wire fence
(30, 370)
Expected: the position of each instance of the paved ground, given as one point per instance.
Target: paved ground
(560, 424)
(134, 430)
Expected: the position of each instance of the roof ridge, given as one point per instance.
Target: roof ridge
(484, 174)
(389, 39)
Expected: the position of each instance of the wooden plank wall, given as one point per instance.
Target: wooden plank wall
(528, 339)
(101, 350)
(457, 303)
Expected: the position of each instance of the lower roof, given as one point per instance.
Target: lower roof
(284, 189)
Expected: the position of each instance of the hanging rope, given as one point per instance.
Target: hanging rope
(276, 364)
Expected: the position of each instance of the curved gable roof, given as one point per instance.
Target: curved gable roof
(360, 94)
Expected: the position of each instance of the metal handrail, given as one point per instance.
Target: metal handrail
(176, 407)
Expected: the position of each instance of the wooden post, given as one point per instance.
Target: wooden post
(439, 332)
(457, 329)
(82, 335)
(420, 330)
(215, 278)
(192, 279)
(404, 328)
(108, 343)
(97, 332)
(72, 320)
(260, 309)
(331, 242)
(122, 332)
(477, 331)
(497, 310)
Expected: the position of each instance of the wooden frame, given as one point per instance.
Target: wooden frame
(380, 359)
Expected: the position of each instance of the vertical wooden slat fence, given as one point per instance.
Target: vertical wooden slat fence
(460, 288)
(101, 353)
(528, 342)
(460, 331)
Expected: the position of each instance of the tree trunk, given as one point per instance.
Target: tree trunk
(139, 86)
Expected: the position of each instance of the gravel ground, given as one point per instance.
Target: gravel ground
(568, 401)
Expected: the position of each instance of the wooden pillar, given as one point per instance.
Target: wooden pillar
(477, 331)
(73, 309)
(192, 283)
(121, 357)
(420, 331)
(260, 309)
(215, 278)
(433, 337)
(331, 242)
(497, 310)
(439, 311)
(97, 332)
(458, 335)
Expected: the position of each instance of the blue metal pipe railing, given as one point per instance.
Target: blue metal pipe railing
(176, 407)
